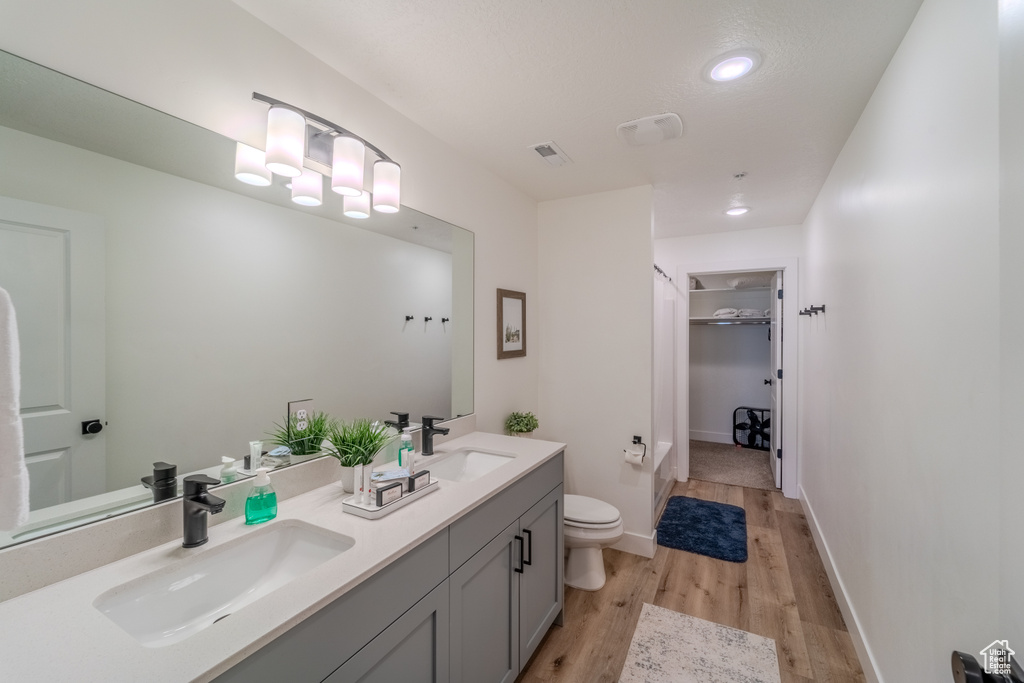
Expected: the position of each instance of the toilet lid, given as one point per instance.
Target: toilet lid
(589, 510)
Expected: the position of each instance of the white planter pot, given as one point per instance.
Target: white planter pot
(523, 435)
(348, 475)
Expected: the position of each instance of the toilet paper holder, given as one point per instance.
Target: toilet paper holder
(632, 456)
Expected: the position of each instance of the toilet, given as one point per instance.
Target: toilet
(590, 525)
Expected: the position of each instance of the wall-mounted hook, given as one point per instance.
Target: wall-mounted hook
(805, 312)
(409, 317)
(445, 320)
(427, 318)
(818, 309)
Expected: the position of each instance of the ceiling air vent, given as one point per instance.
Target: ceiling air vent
(650, 130)
(551, 153)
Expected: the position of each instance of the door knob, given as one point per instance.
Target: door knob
(768, 381)
(92, 427)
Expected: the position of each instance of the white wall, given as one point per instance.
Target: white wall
(595, 346)
(742, 245)
(201, 61)
(899, 421)
(221, 308)
(1011, 363)
(728, 366)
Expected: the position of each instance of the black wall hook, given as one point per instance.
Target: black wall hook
(445, 320)
(408, 318)
(427, 318)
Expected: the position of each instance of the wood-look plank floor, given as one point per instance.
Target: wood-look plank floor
(780, 592)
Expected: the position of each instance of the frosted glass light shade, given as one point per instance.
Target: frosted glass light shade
(286, 141)
(308, 188)
(357, 207)
(387, 183)
(347, 169)
(251, 165)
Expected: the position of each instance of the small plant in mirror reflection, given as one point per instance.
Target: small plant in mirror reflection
(521, 423)
(303, 441)
(355, 443)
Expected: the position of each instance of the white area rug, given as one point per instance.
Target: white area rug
(669, 647)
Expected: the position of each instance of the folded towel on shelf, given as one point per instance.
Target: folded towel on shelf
(749, 313)
(726, 313)
(13, 473)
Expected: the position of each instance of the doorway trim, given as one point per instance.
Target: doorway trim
(790, 362)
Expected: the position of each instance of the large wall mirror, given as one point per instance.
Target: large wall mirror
(184, 310)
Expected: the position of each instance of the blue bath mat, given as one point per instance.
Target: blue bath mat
(704, 527)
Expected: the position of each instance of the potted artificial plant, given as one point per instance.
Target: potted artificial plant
(356, 443)
(303, 438)
(521, 424)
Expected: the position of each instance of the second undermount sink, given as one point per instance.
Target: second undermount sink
(169, 605)
(465, 464)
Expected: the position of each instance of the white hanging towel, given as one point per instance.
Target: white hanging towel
(13, 473)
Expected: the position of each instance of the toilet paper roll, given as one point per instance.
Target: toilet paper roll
(634, 456)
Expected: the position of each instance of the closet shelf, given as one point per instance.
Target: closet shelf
(730, 321)
(730, 289)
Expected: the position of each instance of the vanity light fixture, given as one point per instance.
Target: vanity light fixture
(387, 181)
(737, 210)
(300, 144)
(286, 140)
(347, 169)
(308, 188)
(251, 165)
(732, 65)
(357, 207)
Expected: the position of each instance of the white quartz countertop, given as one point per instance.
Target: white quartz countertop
(56, 634)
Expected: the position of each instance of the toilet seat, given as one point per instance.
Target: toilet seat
(589, 513)
(597, 527)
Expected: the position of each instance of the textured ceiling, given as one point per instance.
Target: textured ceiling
(492, 77)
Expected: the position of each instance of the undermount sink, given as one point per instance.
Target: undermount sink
(465, 465)
(169, 605)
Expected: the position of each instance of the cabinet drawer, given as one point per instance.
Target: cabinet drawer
(314, 648)
(477, 528)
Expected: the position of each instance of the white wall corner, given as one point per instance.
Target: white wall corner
(643, 545)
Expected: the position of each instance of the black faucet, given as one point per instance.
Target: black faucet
(400, 422)
(427, 435)
(163, 482)
(195, 504)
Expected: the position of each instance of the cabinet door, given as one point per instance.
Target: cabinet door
(485, 613)
(540, 584)
(414, 649)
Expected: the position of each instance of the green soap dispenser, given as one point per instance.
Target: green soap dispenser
(261, 505)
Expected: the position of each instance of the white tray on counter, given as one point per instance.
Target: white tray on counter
(353, 507)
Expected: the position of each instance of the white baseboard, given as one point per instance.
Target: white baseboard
(713, 437)
(638, 544)
(867, 660)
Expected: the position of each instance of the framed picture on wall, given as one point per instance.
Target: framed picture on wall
(511, 324)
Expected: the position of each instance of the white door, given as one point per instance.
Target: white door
(774, 457)
(52, 263)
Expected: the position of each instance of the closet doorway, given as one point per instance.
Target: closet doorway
(736, 379)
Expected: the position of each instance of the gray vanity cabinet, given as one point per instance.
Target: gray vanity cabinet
(485, 613)
(507, 595)
(541, 587)
(414, 649)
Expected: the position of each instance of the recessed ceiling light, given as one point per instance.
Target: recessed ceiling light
(732, 65)
(737, 210)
